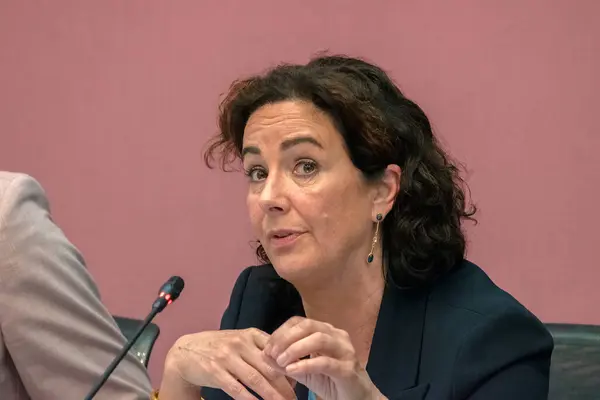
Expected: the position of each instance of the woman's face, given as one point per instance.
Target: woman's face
(310, 207)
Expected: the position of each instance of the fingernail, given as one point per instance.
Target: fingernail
(292, 368)
(282, 359)
(274, 352)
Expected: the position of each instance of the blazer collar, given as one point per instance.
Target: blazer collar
(395, 355)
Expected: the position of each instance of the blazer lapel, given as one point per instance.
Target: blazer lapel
(394, 360)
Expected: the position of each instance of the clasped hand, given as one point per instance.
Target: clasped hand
(313, 353)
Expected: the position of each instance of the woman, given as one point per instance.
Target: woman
(56, 336)
(365, 292)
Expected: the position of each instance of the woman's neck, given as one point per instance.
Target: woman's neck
(350, 302)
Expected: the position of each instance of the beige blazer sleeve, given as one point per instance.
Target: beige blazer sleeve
(55, 330)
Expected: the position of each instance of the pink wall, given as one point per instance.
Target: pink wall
(108, 104)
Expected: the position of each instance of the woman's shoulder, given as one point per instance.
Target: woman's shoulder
(467, 287)
(472, 308)
(473, 325)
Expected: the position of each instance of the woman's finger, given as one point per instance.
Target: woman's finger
(316, 343)
(227, 383)
(292, 331)
(281, 332)
(259, 337)
(255, 380)
(334, 368)
(267, 366)
(272, 372)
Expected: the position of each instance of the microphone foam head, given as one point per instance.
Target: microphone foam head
(173, 287)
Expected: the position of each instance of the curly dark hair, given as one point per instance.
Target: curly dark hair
(422, 237)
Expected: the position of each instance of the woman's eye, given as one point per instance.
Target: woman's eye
(305, 168)
(256, 174)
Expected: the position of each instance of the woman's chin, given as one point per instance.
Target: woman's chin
(294, 269)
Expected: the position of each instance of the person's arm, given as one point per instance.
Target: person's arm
(55, 327)
(505, 357)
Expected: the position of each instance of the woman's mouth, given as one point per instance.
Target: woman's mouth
(284, 239)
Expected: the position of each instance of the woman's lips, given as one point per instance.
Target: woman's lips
(283, 240)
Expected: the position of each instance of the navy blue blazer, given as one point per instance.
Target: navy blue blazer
(460, 338)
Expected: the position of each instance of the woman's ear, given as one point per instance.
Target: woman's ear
(387, 190)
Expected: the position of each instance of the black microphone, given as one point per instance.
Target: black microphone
(168, 293)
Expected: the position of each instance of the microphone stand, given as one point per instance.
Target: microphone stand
(168, 293)
(121, 355)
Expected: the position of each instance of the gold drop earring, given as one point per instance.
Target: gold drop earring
(379, 218)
